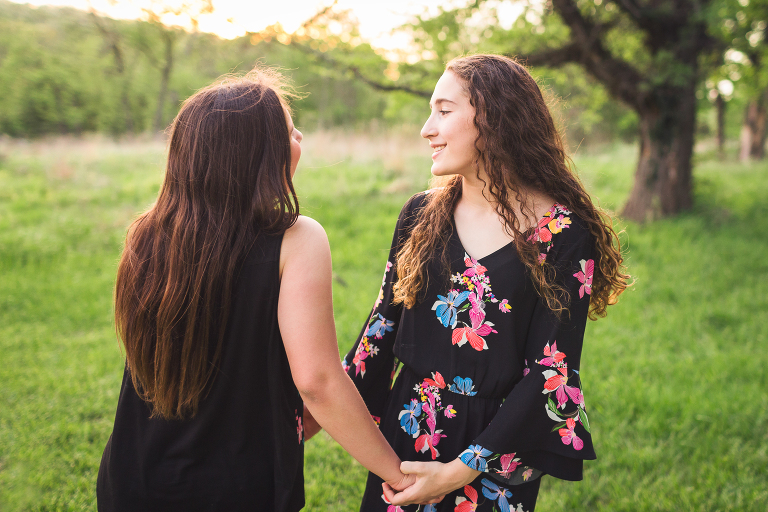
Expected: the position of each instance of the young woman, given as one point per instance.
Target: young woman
(470, 357)
(219, 350)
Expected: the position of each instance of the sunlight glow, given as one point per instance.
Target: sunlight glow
(233, 18)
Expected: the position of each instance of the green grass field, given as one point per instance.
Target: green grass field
(674, 376)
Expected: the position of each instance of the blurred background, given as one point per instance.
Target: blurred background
(664, 107)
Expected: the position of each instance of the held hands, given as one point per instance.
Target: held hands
(433, 480)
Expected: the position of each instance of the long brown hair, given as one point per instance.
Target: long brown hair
(522, 150)
(226, 181)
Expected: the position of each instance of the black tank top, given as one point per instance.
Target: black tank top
(244, 449)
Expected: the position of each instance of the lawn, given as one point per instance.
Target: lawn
(674, 376)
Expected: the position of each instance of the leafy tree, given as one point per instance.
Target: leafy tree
(646, 53)
(741, 26)
(67, 71)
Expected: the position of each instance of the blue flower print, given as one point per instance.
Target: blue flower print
(494, 492)
(474, 457)
(430, 508)
(409, 417)
(445, 307)
(462, 386)
(379, 327)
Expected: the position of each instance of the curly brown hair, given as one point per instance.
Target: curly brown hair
(522, 152)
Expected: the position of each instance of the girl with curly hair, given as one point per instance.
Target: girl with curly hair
(471, 355)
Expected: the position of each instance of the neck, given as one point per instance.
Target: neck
(472, 190)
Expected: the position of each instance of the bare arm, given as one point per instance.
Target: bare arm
(311, 426)
(305, 316)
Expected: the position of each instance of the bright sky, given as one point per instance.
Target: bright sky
(232, 18)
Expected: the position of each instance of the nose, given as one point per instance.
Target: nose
(299, 135)
(430, 127)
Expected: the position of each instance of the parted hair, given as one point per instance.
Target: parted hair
(227, 180)
(521, 151)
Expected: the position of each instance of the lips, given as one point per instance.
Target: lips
(437, 149)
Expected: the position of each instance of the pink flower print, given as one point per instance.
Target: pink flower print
(389, 266)
(553, 356)
(508, 464)
(541, 233)
(468, 504)
(360, 354)
(568, 434)
(585, 277)
(474, 268)
(542, 258)
(299, 427)
(557, 382)
(379, 298)
(473, 335)
(504, 306)
(449, 411)
(477, 311)
(391, 508)
(527, 474)
(428, 441)
(436, 380)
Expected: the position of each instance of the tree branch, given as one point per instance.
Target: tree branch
(632, 9)
(586, 48)
(323, 57)
(112, 40)
(553, 58)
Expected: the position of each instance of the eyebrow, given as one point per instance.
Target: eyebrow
(442, 100)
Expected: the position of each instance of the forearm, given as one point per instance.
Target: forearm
(456, 475)
(338, 409)
(311, 426)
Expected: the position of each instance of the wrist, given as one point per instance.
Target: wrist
(394, 476)
(459, 474)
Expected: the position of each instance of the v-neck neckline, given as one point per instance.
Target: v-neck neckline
(503, 247)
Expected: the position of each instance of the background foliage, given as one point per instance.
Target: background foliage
(60, 74)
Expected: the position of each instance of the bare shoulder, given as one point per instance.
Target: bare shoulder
(304, 240)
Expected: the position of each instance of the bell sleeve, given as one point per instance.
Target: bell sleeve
(543, 422)
(371, 361)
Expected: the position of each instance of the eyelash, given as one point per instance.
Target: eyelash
(444, 112)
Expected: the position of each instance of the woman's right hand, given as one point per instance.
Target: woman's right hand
(433, 481)
(393, 489)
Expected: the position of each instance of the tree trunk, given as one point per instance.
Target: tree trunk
(168, 39)
(753, 131)
(720, 105)
(663, 176)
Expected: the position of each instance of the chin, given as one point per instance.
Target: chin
(438, 170)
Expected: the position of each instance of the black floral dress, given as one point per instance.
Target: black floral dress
(482, 369)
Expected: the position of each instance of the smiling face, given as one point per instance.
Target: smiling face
(450, 128)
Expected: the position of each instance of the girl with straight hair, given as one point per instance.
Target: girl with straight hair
(223, 307)
(471, 354)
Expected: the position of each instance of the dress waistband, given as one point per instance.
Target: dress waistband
(462, 386)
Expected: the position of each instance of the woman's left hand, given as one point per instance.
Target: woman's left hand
(433, 481)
